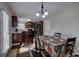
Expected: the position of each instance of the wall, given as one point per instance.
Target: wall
(0, 32)
(66, 22)
(46, 29)
(4, 7)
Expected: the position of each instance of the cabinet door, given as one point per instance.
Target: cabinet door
(16, 37)
(14, 21)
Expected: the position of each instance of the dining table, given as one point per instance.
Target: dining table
(52, 45)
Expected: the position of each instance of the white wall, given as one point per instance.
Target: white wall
(46, 28)
(65, 22)
(4, 7)
(0, 32)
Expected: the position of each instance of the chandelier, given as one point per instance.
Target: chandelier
(43, 13)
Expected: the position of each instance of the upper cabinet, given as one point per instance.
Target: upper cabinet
(14, 21)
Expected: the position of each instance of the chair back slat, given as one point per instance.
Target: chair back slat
(57, 35)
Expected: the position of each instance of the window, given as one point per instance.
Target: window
(21, 22)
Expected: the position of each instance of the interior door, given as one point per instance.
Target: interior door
(5, 32)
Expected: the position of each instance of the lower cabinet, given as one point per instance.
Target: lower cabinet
(16, 38)
(27, 38)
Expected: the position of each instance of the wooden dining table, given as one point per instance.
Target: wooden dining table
(53, 46)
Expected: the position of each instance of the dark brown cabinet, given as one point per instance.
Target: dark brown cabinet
(39, 27)
(16, 38)
(14, 21)
(27, 38)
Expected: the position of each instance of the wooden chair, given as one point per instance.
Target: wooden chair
(57, 35)
(37, 43)
(68, 50)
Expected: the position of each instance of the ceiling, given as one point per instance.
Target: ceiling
(29, 9)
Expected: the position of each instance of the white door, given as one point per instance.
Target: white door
(5, 32)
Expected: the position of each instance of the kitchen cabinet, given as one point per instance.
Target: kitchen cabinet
(16, 38)
(14, 21)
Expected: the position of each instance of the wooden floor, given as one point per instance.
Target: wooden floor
(12, 53)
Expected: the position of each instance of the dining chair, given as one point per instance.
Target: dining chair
(68, 50)
(57, 35)
(36, 52)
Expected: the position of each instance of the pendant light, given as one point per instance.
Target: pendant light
(42, 13)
